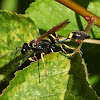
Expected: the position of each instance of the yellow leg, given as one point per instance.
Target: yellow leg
(53, 36)
(51, 50)
(31, 59)
(61, 44)
(44, 63)
(36, 58)
(68, 47)
(62, 49)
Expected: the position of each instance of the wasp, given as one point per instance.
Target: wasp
(41, 45)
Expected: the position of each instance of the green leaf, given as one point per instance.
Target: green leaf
(15, 29)
(78, 87)
(91, 54)
(66, 79)
(48, 13)
(26, 82)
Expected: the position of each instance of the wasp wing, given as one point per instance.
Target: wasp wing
(54, 29)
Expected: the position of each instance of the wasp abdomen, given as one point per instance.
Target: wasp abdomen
(80, 35)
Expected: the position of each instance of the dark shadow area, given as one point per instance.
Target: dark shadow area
(41, 31)
(93, 33)
(83, 3)
(23, 5)
(0, 3)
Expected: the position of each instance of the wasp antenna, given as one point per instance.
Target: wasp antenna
(15, 58)
(17, 48)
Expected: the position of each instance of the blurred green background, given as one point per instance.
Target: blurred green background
(19, 6)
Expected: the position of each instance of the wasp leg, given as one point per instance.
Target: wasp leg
(38, 67)
(39, 71)
(68, 46)
(36, 58)
(77, 49)
(44, 63)
(57, 39)
(52, 50)
(32, 59)
(55, 36)
(63, 48)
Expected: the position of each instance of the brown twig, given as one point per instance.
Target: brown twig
(90, 23)
(80, 10)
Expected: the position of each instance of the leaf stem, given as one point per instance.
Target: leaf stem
(90, 23)
(80, 10)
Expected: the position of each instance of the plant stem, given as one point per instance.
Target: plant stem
(90, 23)
(80, 10)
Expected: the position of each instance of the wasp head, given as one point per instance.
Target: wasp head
(24, 48)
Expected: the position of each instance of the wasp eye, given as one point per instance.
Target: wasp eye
(24, 48)
(23, 51)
